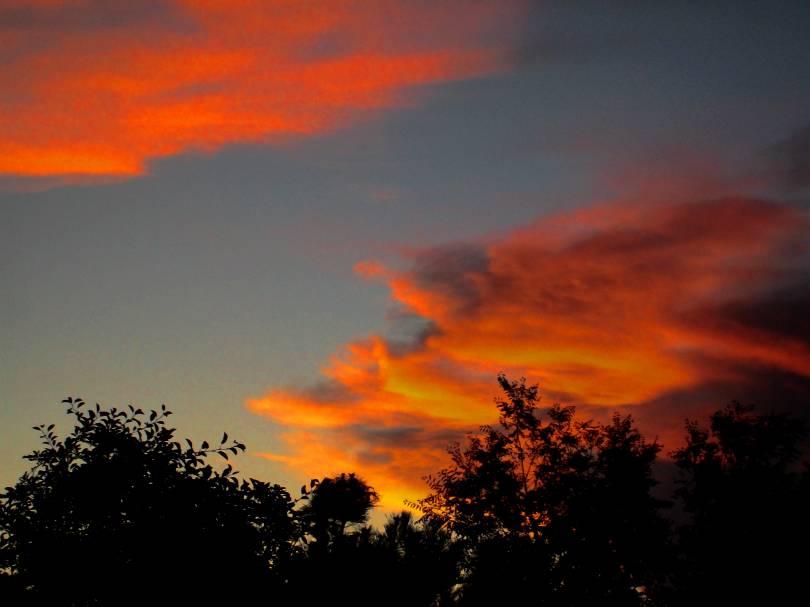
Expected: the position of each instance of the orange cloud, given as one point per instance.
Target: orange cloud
(668, 310)
(100, 87)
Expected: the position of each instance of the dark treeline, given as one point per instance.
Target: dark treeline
(540, 509)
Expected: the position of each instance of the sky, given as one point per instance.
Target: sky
(326, 227)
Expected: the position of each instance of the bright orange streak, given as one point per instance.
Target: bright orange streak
(607, 307)
(94, 90)
(396, 475)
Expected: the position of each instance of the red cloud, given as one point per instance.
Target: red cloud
(100, 87)
(662, 308)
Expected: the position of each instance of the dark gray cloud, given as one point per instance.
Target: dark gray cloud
(449, 270)
(90, 15)
(409, 434)
(329, 391)
(790, 159)
(767, 388)
(779, 315)
(381, 444)
(407, 332)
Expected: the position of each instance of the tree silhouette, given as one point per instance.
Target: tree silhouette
(748, 501)
(417, 558)
(337, 544)
(558, 511)
(118, 508)
(543, 509)
(335, 503)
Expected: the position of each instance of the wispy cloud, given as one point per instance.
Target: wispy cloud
(100, 88)
(667, 310)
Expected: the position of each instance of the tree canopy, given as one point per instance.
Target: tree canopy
(118, 503)
(335, 503)
(542, 508)
(560, 507)
(747, 497)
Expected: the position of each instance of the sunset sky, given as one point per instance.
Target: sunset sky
(325, 227)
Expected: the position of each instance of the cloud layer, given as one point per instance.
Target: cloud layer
(663, 310)
(99, 87)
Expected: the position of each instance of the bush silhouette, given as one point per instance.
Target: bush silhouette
(118, 512)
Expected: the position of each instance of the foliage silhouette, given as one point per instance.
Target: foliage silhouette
(118, 504)
(420, 559)
(559, 509)
(335, 503)
(407, 563)
(748, 499)
(539, 510)
(336, 544)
